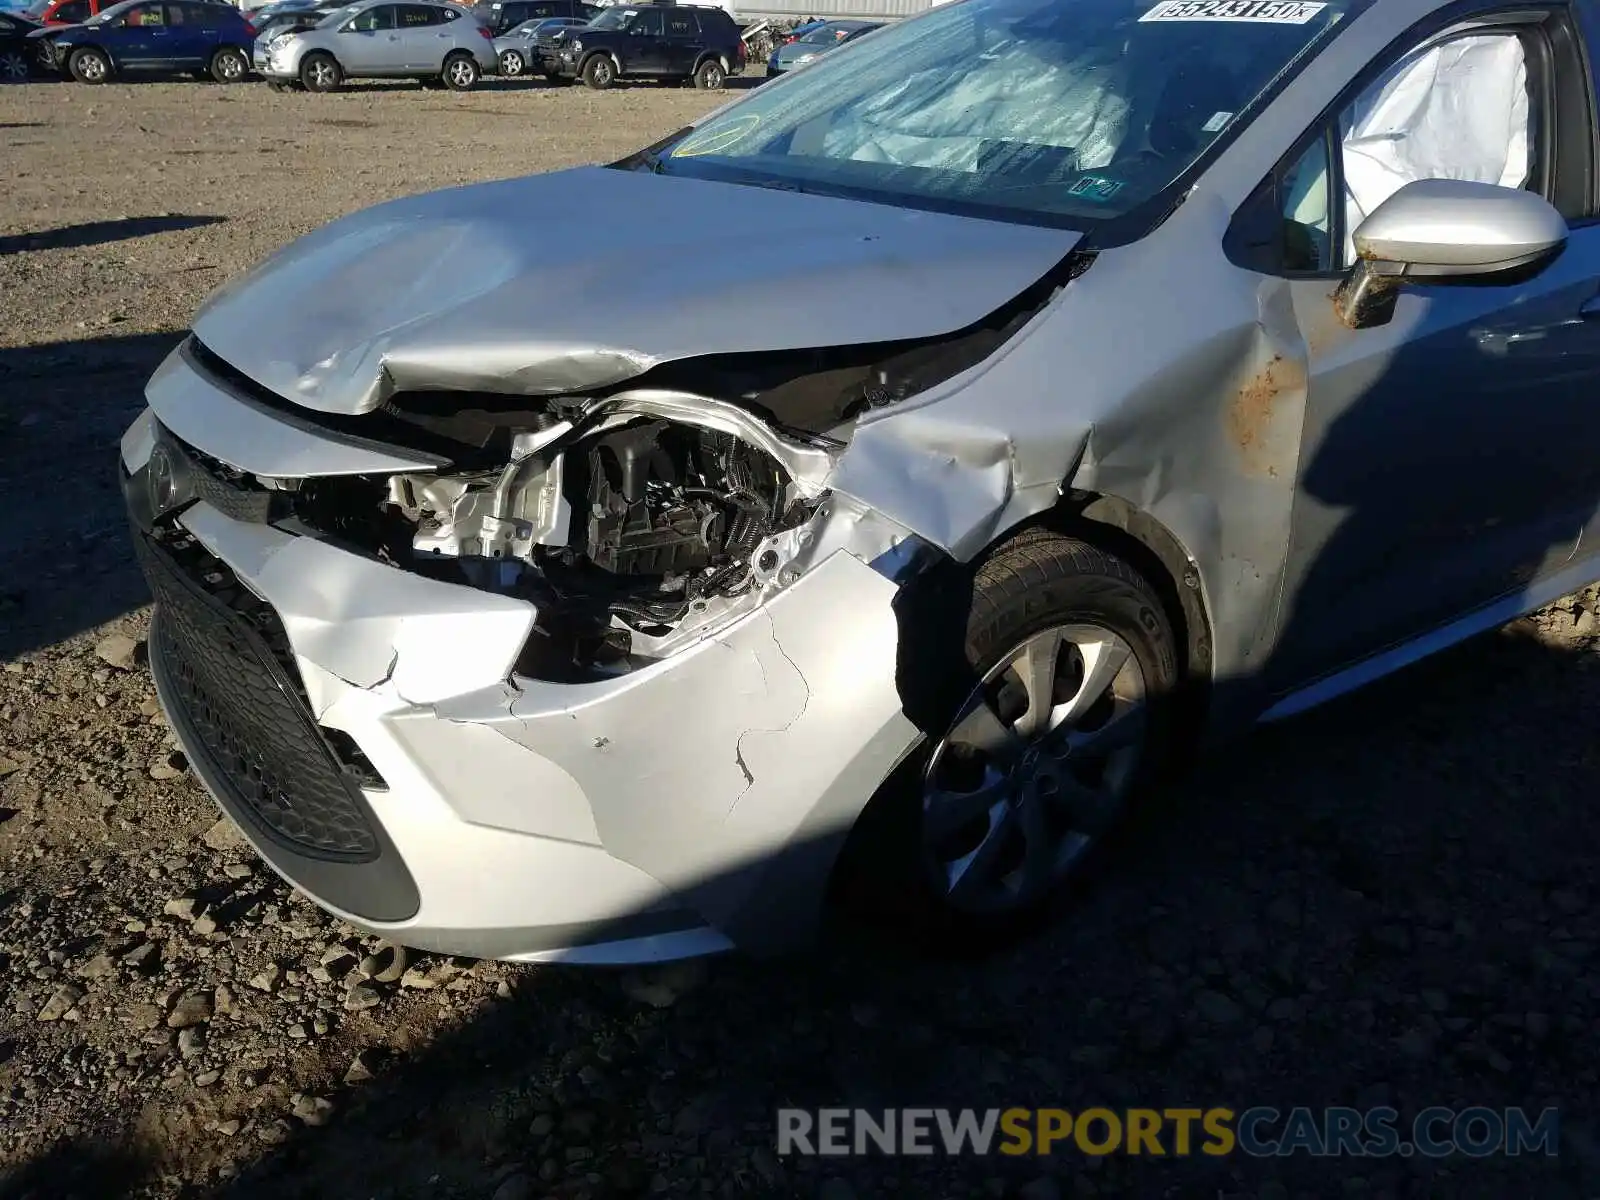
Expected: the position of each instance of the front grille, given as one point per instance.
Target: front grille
(232, 493)
(245, 708)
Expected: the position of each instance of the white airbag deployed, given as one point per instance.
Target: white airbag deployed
(1457, 110)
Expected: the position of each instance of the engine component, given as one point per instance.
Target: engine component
(489, 514)
(665, 500)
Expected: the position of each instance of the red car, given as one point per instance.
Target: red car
(66, 12)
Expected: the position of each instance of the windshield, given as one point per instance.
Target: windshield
(1065, 111)
(825, 34)
(614, 18)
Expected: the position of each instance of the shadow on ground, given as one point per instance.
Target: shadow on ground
(65, 561)
(99, 233)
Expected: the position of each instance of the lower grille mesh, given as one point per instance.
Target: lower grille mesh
(245, 708)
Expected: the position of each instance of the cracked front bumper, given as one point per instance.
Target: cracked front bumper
(692, 805)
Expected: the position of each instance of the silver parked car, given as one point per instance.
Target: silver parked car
(814, 43)
(531, 584)
(375, 38)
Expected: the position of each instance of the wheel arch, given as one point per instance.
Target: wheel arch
(1120, 527)
(715, 56)
(97, 48)
(600, 52)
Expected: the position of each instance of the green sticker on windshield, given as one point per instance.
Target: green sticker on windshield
(1095, 187)
(1272, 12)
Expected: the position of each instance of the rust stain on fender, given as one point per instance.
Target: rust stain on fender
(1250, 416)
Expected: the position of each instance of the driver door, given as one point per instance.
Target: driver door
(1447, 455)
(646, 51)
(140, 42)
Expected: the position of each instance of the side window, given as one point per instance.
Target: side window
(73, 11)
(646, 23)
(145, 15)
(681, 25)
(447, 14)
(1454, 109)
(381, 17)
(413, 16)
(1307, 216)
(536, 11)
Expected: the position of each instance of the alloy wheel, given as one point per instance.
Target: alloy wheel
(13, 67)
(1034, 770)
(511, 63)
(462, 73)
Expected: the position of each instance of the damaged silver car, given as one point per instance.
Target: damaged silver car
(532, 585)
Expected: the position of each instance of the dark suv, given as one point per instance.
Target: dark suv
(502, 15)
(654, 41)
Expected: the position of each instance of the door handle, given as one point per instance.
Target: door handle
(1590, 309)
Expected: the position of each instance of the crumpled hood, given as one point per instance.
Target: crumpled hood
(584, 278)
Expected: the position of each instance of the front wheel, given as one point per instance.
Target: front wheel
(511, 63)
(320, 73)
(229, 65)
(599, 72)
(710, 75)
(1070, 662)
(89, 65)
(460, 73)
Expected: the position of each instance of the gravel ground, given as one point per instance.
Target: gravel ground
(1389, 902)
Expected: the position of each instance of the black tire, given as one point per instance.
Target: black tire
(460, 73)
(230, 65)
(89, 65)
(710, 75)
(14, 66)
(320, 72)
(512, 63)
(599, 72)
(1034, 583)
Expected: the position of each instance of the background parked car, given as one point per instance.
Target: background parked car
(654, 41)
(533, 44)
(502, 16)
(154, 35)
(815, 42)
(66, 12)
(16, 56)
(380, 39)
(275, 21)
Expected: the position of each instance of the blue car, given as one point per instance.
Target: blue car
(154, 35)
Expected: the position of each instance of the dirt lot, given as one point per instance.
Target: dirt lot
(1392, 902)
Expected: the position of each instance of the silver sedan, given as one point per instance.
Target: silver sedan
(376, 38)
(535, 580)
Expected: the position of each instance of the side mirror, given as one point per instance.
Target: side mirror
(1445, 229)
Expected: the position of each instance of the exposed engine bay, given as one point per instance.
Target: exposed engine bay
(632, 524)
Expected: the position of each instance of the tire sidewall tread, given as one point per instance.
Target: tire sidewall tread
(1035, 580)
